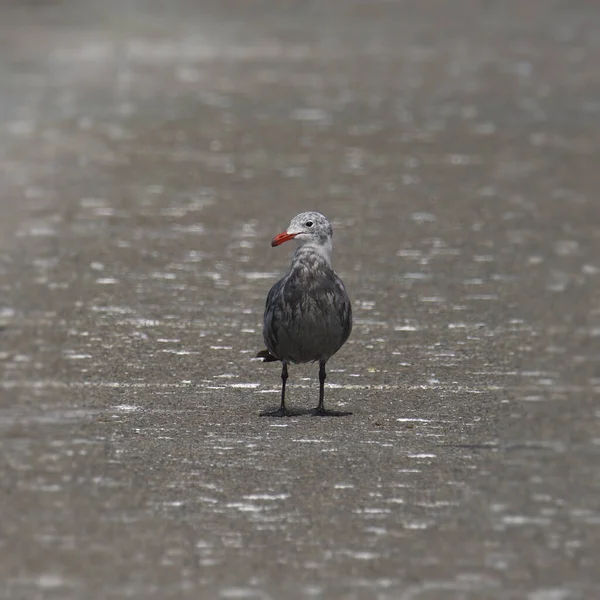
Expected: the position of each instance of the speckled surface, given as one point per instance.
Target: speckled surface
(147, 157)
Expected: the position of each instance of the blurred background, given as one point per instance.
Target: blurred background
(150, 151)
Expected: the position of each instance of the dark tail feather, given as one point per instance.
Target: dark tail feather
(266, 356)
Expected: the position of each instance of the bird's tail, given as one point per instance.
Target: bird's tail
(266, 356)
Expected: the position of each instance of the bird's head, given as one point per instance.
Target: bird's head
(307, 228)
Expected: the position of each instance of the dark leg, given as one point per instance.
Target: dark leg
(282, 412)
(322, 375)
(320, 410)
(284, 376)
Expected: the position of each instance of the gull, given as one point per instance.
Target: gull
(308, 315)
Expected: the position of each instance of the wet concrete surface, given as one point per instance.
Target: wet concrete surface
(150, 151)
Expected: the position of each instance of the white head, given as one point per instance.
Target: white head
(308, 229)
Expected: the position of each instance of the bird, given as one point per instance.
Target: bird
(308, 314)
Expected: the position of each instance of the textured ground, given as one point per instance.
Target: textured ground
(147, 157)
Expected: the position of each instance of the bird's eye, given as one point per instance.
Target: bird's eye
(309, 223)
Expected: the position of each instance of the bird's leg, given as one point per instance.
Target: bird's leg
(282, 411)
(284, 376)
(320, 410)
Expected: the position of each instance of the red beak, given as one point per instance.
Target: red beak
(282, 237)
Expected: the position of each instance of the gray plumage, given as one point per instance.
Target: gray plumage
(308, 316)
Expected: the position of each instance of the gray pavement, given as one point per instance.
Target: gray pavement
(149, 152)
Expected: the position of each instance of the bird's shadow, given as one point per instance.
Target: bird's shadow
(299, 412)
